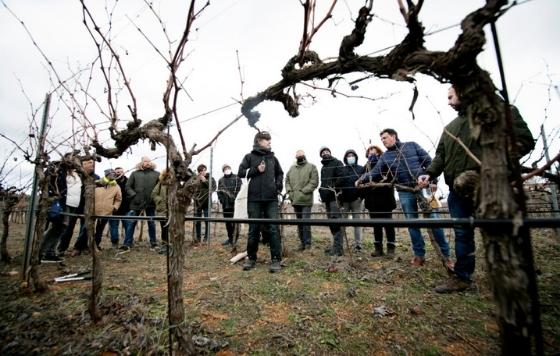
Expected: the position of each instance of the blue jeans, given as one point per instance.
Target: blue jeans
(129, 237)
(114, 229)
(200, 211)
(267, 210)
(464, 236)
(409, 206)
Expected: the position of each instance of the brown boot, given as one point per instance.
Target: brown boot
(453, 284)
(417, 261)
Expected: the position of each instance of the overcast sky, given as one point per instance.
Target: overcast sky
(266, 33)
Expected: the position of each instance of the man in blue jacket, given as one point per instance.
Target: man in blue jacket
(403, 163)
(266, 178)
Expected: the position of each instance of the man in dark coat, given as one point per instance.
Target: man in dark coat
(202, 185)
(452, 160)
(123, 209)
(265, 176)
(403, 163)
(332, 173)
(139, 191)
(228, 188)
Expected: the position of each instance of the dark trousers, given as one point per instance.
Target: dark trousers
(259, 210)
(334, 213)
(51, 237)
(164, 232)
(304, 231)
(378, 230)
(202, 211)
(69, 230)
(99, 227)
(464, 236)
(230, 227)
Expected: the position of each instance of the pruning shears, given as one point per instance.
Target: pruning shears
(80, 276)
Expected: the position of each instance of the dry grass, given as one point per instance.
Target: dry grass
(302, 310)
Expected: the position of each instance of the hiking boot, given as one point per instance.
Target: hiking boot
(249, 265)
(453, 284)
(378, 251)
(51, 259)
(391, 250)
(417, 261)
(124, 248)
(275, 267)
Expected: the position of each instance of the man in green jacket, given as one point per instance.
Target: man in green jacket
(302, 179)
(456, 163)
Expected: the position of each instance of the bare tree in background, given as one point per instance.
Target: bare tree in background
(508, 253)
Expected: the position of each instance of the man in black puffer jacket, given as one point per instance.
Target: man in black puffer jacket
(332, 174)
(266, 177)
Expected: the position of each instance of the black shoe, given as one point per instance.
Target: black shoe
(391, 251)
(163, 250)
(51, 259)
(124, 248)
(378, 251)
(249, 265)
(275, 267)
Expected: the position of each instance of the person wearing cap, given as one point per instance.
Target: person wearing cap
(139, 189)
(201, 186)
(265, 176)
(228, 188)
(301, 181)
(108, 199)
(332, 174)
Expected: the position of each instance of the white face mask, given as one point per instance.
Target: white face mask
(351, 160)
(227, 172)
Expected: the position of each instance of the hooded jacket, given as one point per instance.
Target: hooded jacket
(263, 186)
(332, 173)
(302, 179)
(139, 187)
(402, 163)
(351, 174)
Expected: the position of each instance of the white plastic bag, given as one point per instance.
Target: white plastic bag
(241, 201)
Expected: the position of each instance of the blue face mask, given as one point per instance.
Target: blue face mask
(351, 160)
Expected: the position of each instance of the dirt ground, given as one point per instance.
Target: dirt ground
(367, 306)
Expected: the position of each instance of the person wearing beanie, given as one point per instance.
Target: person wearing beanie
(265, 176)
(301, 181)
(350, 197)
(228, 188)
(332, 173)
(108, 199)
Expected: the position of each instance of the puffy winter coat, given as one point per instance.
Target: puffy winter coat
(139, 188)
(263, 186)
(331, 176)
(107, 198)
(351, 173)
(228, 188)
(302, 179)
(402, 163)
(377, 199)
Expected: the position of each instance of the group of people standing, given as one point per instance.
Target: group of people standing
(343, 187)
